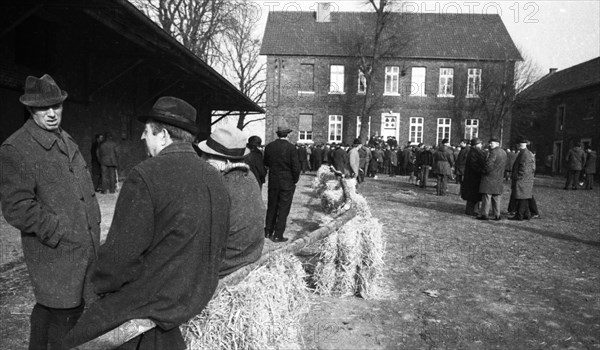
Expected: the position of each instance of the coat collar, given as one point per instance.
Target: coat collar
(45, 138)
(178, 147)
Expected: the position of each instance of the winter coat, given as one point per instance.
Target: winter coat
(522, 175)
(575, 159)
(163, 252)
(363, 157)
(443, 160)
(254, 159)
(469, 187)
(590, 163)
(341, 162)
(510, 160)
(107, 153)
(47, 193)
(394, 158)
(378, 155)
(354, 160)
(493, 172)
(246, 219)
(284, 166)
(426, 158)
(461, 160)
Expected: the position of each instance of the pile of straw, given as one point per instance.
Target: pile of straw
(261, 312)
(351, 260)
(328, 188)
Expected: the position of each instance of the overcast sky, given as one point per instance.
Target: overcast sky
(556, 34)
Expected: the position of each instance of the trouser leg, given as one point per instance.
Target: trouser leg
(272, 205)
(285, 204)
(496, 202)
(40, 324)
(470, 208)
(486, 204)
(533, 209)
(61, 322)
(523, 209)
(512, 203)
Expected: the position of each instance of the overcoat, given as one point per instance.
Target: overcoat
(522, 175)
(493, 172)
(469, 187)
(575, 158)
(107, 153)
(282, 160)
(47, 193)
(443, 160)
(254, 159)
(163, 251)
(341, 161)
(590, 163)
(461, 160)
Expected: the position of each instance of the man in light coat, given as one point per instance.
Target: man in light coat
(492, 186)
(47, 193)
(575, 161)
(589, 168)
(522, 176)
(443, 161)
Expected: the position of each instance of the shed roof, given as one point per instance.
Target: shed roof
(573, 78)
(439, 36)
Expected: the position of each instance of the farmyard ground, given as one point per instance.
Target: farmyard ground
(450, 281)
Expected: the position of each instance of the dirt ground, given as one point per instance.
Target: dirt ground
(450, 281)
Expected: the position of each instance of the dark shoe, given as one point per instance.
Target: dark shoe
(516, 218)
(268, 234)
(565, 189)
(279, 239)
(498, 218)
(481, 217)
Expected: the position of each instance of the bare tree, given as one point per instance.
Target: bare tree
(198, 24)
(382, 40)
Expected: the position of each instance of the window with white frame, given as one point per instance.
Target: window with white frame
(473, 82)
(416, 130)
(471, 128)
(362, 83)
(443, 129)
(446, 82)
(392, 78)
(305, 127)
(336, 79)
(417, 83)
(335, 128)
(307, 77)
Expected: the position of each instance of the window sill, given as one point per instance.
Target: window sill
(337, 93)
(446, 96)
(306, 92)
(472, 96)
(417, 95)
(391, 94)
(361, 93)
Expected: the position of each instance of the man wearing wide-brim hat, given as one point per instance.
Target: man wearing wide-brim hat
(225, 149)
(163, 251)
(47, 193)
(282, 161)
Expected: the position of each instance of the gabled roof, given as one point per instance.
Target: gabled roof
(441, 36)
(573, 78)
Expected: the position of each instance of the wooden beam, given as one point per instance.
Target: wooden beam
(116, 77)
(20, 20)
(158, 93)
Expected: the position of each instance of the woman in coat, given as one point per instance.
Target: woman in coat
(469, 188)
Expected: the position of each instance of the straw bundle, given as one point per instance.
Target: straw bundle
(332, 200)
(261, 312)
(324, 180)
(351, 260)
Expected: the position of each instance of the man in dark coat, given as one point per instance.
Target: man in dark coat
(492, 181)
(255, 160)
(282, 161)
(469, 189)
(575, 161)
(47, 193)
(225, 149)
(589, 168)
(426, 162)
(317, 156)
(302, 157)
(461, 161)
(163, 252)
(522, 176)
(341, 160)
(96, 167)
(107, 155)
(443, 161)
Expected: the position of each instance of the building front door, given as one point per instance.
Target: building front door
(390, 124)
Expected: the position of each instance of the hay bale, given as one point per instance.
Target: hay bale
(325, 272)
(332, 200)
(261, 312)
(372, 250)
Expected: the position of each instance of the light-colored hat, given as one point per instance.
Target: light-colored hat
(228, 143)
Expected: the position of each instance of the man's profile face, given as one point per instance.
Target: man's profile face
(153, 142)
(47, 118)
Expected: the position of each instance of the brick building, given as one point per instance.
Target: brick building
(112, 60)
(561, 108)
(315, 87)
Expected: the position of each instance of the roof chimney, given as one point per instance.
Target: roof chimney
(323, 12)
(552, 70)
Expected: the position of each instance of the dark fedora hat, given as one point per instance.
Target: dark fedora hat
(357, 141)
(226, 142)
(494, 139)
(284, 130)
(522, 140)
(173, 111)
(42, 92)
(475, 141)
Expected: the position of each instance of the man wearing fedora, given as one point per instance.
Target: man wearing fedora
(225, 150)
(469, 187)
(522, 177)
(48, 194)
(163, 251)
(282, 161)
(492, 181)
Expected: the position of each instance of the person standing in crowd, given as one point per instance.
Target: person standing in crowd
(302, 157)
(163, 251)
(378, 156)
(364, 155)
(492, 180)
(522, 182)
(96, 167)
(511, 156)
(461, 161)
(225, 149)
(443, 161)
(469, 189)
(575, 160)
(589, 168)
(317, 155)
(340, 160)
(354, 160)
(282, 161)
(107, 154)
(254, 159)
(426, 162)
(47, 193)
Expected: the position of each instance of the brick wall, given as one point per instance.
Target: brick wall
(285, 103)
